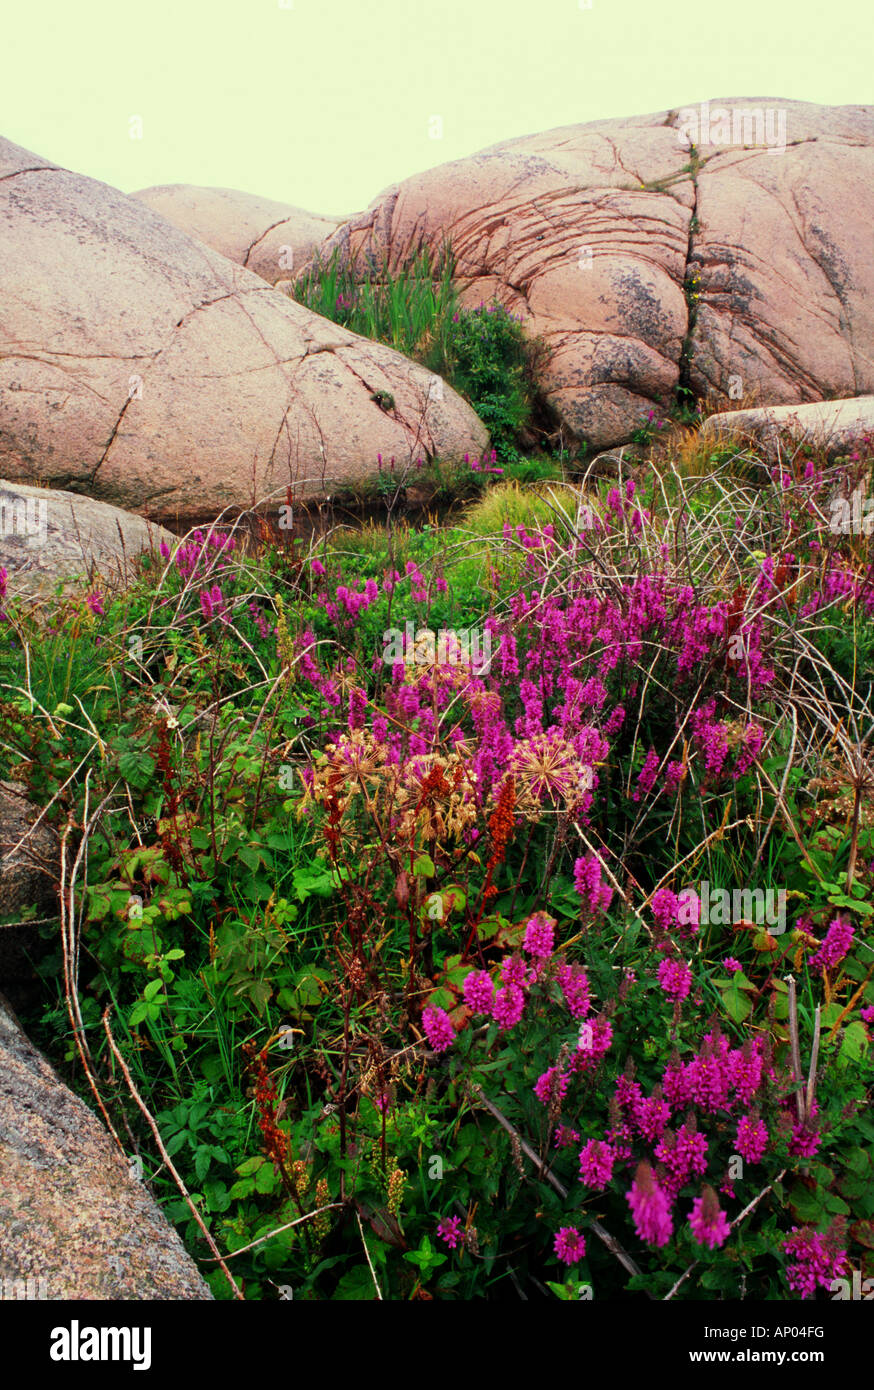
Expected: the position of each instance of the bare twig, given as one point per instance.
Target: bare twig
(814, 1058)
(795, 1048)
(298, 1220)
(69, 944)
(611, 1243)
(751, 1206)
(156, 1133)
(369, 1261)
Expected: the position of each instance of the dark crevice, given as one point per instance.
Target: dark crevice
(111, 440)
(259, 239)
(32, 169)
(685, 393)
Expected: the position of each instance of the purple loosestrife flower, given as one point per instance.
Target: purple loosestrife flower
(212, 603)
(479, 991)
(450, 1232)
(708, 1075)
(565, 1137)
(805, 1139)
(596, 1164)
(751, 1139)
(651, 1115)
(713, 741)
(838, 940)
(629, 1093)
(540, 936)
(675, 977)
(650, 1208)
(688, 912)
(551, 1086)
(674, 774)
(664, 907)
(675, 1084)
(684, 1155)
(731, 965)
(745, 1069)
(867, 1014)
(615, 721)
(95, 603)
(817, 1260)
(595, 895)
(514, 971)
(574, 985)
(357, 708)
(438, 1028)
(570, 1245)
(708, 1221)
(509, 1006)
(647, 777)
(594, 1041)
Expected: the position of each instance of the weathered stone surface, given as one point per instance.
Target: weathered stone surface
(835, 426)
(273, 239)
(47, 535)
(71, 1214)
(29, 874)
(663, 251)
(140, 367)
(29, 864)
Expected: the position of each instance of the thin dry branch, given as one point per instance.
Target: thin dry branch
(156, 1134)
(610, 1242)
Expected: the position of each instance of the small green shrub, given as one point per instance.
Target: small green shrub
(486, 357)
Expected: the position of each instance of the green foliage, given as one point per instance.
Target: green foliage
(264, 924)
(485, 356)
(482, 353)
(405, 307)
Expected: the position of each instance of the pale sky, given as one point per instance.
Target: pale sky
(323, 103)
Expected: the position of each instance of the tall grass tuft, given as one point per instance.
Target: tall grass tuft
(409, 308)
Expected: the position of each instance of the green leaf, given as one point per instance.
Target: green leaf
(854, 1044)
(312, 881)
(99, 903)
(244, 1188)
(250, 857)
(442, 999)
(561, 1291)
(137, 767)
(356, 1285)
(266, 1179)
(841, 900)
(250, 1165)
(807, 1205)
(737, 1005)
(217, 1196)
(423, 866)
(836, 1204)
